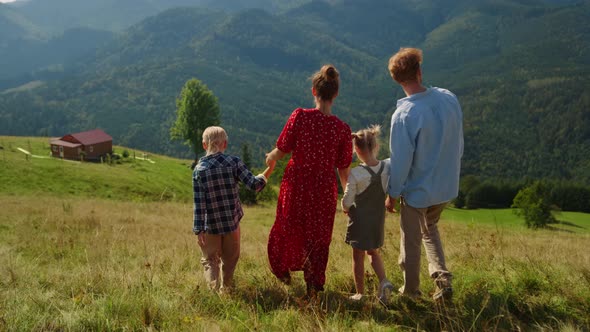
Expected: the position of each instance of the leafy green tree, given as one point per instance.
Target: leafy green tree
(533, 205)
(196, 109)
(247, 196)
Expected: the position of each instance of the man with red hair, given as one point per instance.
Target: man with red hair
(426, 144)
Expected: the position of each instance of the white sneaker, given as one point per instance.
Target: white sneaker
(385, 290)
(356, 297)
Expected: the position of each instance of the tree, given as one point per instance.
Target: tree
(196, 109)
(247, 196)
(459, 201)
(533, 205)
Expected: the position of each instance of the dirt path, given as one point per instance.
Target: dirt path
(32, 155)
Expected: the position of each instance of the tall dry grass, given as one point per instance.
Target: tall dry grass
(80, 264)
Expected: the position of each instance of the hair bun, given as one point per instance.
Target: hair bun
(326, 82)
(375, 130)
(330, 72)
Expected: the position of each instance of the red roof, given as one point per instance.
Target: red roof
(92, 137)
(64, 143)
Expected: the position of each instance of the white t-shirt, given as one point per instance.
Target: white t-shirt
(359, 180)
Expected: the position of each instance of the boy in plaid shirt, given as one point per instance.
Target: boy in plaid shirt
(217, 209)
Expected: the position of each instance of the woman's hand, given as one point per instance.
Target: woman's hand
(269, 161)
(274, 155)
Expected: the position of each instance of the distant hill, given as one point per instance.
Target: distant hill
(520, 69)
(34, 34)
(13, 25)
(26, 59)
(56, 16)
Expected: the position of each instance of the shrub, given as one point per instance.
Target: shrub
(533, 205)
(489, 194)
(570, 197)
(125, 154)
(268, 194)
(481, 196)
(459, 202)
(247, 196)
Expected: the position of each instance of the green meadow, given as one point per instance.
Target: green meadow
(568, 222)
(109, 248)
(132, 179)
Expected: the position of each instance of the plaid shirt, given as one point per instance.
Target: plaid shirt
(217, 207)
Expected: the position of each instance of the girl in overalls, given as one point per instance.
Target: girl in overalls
(364, 203)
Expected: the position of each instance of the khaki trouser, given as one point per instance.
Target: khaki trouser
(420, 225)
(220, 252)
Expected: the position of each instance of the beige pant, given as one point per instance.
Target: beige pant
(220, 252)
(420, 225)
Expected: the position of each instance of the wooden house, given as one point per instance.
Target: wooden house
(88, 145)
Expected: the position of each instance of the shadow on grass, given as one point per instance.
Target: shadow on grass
(400, 311)
(480, 307)
(555, 229)
(569, 223)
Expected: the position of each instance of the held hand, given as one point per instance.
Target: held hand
(390, 204)
(271, 164)
(201, 239)
(269, 160)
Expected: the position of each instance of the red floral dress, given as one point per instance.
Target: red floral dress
(300, 237)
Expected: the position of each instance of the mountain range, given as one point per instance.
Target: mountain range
(521, 69)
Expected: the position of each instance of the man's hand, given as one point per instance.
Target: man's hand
(201, 239)
(390, 204)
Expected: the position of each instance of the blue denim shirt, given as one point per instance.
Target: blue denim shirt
(426, 145)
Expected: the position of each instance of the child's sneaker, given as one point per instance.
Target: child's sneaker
(356, 297)
(385, 290)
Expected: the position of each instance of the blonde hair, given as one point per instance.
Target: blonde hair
(326, 82)
(366, 139)
(404, 65)
(214, 137)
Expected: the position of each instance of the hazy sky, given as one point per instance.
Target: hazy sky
(7, 0)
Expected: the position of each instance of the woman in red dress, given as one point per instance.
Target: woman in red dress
(319, 143)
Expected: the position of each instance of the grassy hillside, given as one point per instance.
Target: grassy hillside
(90, 246)
(79, 264)
(165, 179)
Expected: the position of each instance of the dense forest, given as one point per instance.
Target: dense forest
(521, 70)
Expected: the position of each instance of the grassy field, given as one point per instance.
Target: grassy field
(90, 246)
(568, 222)
(163, 180)
(95, 264)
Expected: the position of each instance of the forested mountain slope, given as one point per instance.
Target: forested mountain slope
(520, 69)
(56, 16)
(35, 35)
